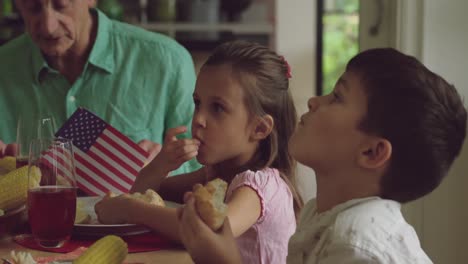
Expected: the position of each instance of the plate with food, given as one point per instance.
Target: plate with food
(87, 224)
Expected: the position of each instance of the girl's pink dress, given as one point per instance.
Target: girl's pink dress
(267, 240)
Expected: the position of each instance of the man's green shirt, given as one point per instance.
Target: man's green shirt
(140, 82)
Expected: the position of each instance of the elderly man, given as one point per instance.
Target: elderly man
(74, 56)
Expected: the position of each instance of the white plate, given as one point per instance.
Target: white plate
(94, 228)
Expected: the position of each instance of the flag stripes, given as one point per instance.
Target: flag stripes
(120, 148)
(105, 159)
(94, 173)
(56, 160)
(133, 148)
(116, 158)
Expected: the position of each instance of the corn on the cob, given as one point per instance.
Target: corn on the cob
(107, 250)
(7, 164)
(14, 187)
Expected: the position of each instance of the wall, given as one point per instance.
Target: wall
(445, 211)
(295, 40)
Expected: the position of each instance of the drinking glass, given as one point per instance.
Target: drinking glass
(22, 141)
(44, 127)
(52, 198)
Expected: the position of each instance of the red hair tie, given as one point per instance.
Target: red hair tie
(288, 73)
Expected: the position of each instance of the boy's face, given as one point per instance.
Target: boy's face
(327, 138)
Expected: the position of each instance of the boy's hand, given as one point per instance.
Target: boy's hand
(204, 245)
(175, 151)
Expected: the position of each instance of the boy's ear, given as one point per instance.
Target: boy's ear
(263, 127)
(375, 154)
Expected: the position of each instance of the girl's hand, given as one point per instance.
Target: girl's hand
(175, 151)
(113, 210)
(173, 154)
(151, 147)
(204, 245)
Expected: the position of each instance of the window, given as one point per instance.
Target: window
(337, 37)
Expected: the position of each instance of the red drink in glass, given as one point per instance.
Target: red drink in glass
(51, 212)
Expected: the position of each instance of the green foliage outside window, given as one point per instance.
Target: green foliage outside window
(340, 40)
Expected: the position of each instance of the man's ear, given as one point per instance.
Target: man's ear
(263, 127)
(375, 154)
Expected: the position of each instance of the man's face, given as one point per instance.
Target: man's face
(56, 25)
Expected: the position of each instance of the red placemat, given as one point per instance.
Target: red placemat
(136, 243)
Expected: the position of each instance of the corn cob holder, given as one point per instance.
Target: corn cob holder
(14, 187)
(107, 250)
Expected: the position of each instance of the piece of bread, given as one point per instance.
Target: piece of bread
(150, 196)
(209, 201)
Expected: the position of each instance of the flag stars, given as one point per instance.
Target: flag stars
(84, 127)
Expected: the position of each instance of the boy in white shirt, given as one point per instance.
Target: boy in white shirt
(386, 135)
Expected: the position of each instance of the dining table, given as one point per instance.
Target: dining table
(176, 255)
(14, 228)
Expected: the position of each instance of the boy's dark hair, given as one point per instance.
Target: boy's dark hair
(420, 114)
(264, 75)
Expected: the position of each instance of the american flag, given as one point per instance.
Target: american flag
(105, 159)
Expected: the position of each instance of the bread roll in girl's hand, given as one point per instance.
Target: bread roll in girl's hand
(209, 201)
